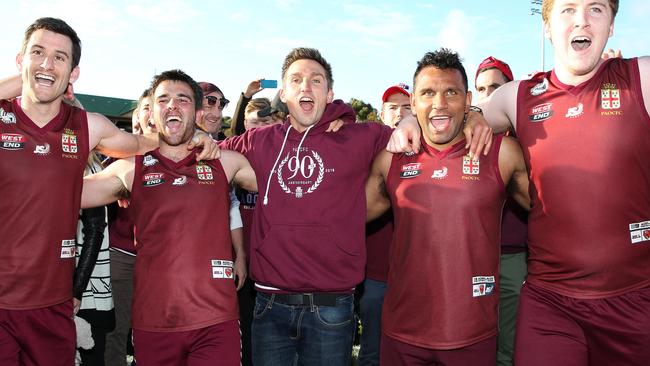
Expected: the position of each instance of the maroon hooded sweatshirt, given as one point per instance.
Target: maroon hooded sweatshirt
(308, 231)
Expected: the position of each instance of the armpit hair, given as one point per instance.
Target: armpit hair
(123, 193)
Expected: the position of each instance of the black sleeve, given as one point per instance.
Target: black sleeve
(237, 122)
(94, 222)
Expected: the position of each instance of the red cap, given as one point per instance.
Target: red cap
(399, 88)
(496, 63)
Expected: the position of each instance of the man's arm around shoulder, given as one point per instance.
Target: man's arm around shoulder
(113, 183)
(239, 170)
(377, 200)
(513, 171)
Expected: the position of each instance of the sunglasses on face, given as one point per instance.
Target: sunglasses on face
(212, 101)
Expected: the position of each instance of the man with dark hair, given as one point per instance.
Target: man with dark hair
(52, 139)
(491, 74)
(307, 249)
(185, 303)
(214, 103)
(447, 208)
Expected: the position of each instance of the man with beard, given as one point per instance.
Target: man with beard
(441, 301)
(43, 153)
(185, 302)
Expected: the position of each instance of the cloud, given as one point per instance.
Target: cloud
(370, 27)
(457, 32)
(165, 15)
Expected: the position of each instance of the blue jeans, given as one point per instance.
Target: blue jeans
(284, 335)
(370, 314)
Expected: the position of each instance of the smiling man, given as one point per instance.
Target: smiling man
(214, 103)
(584, 128)
(43, 153)
(308, 236)
(184, 295)
(440, 305)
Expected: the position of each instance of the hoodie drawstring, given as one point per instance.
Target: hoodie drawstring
(284, 142)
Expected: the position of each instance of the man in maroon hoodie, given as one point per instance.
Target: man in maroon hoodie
(308, 237)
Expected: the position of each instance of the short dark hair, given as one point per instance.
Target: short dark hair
(57, 26)
(443, 58)
(179, 75)
(304, 53)
(145, 94)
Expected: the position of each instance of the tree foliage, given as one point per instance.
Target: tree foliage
(364, 111)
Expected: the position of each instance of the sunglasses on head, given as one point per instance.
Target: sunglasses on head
(212, 101)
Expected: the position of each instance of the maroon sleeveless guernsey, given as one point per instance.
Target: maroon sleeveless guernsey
(41, 172)
(587, 150)
(183, 277)
(444, 258)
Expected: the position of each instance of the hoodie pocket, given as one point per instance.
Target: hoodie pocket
(306, 257)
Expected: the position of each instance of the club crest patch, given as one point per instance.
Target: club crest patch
(470, 166)
(204, 172)
(69, 142)
(610, 97)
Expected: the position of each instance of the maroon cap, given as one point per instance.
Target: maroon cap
(496, 63)
(208, 88)
(399, 88)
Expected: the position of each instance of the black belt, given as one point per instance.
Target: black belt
(317, 298)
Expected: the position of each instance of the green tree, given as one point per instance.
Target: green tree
(364, 111)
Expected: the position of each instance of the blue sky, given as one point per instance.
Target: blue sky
(370, 44)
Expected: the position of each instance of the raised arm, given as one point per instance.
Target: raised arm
(513, 171)
(109, 185)
(11, 87)
(377, 201)
(500, 108)
(237, 123)
(109, 140)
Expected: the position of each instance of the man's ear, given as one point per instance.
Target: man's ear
(282, 96)
(74, 74)
(198, 117)
(330, 96)
(412, 98)
(19, 61)
(468, 100)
